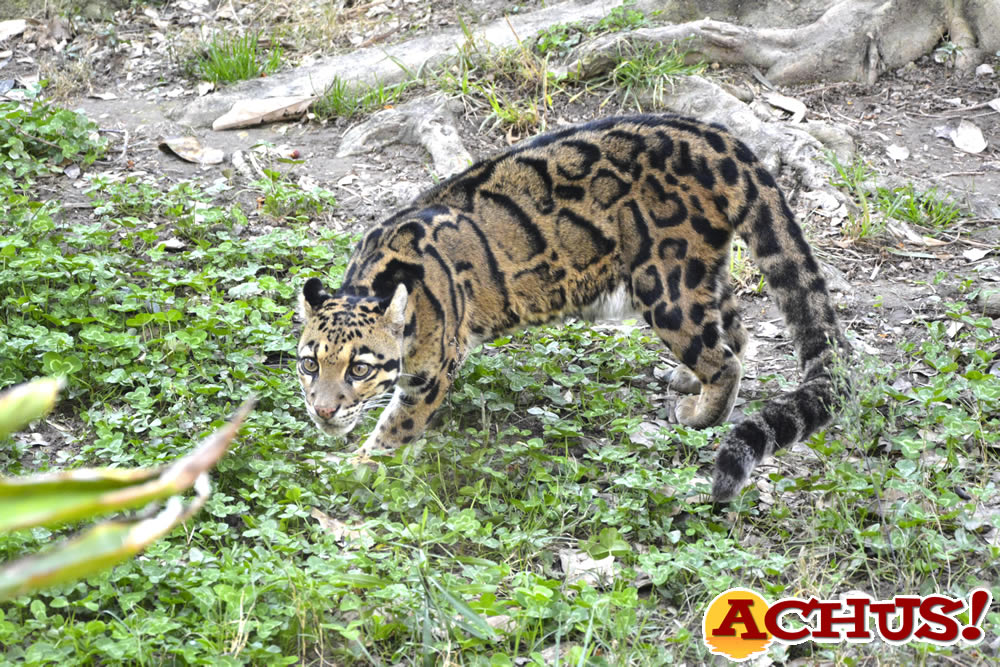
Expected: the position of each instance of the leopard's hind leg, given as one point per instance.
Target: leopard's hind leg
(702, 328)
(683, 379)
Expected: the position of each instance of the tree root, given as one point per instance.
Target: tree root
(853, 40)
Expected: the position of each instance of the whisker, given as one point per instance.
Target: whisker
(379, 401)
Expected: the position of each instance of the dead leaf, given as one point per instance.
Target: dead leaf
(579, 566)
(154, 17)
(557, 655)
(897, 152)
(976, 254)
(902, 384)
(190, 149)
(174, 244)
(246, 113)
(335, 527)
(795, 107)
(72, 172)
(12, 28)
(904, 231)
(968, 137)
(103, 96)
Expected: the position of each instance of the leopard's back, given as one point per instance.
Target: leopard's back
(643, 207)
(572, 215)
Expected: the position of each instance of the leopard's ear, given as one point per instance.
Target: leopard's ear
(395, 312)
(312, 297)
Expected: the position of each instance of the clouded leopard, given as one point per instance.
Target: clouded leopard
(643, 206)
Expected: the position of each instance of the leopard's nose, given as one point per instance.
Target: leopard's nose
(324, 412)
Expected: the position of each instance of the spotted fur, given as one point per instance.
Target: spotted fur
(642, 206)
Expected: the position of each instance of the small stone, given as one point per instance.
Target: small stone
(897, 152)
(968, 137)
(984, 70)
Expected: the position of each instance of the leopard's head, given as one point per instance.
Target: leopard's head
(350, 353)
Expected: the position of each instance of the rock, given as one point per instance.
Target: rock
(989, 301)
(426, 121)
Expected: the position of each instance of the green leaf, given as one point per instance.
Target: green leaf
(58, 497)
(35, 500)
(476, 625)
(27, 402)
(60, 365)
(97, 549)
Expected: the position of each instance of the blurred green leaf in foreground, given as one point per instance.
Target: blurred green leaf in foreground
(55, 498)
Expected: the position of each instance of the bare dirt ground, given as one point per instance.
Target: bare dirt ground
(888, 286)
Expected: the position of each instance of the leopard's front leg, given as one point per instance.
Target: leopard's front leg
(405, 418)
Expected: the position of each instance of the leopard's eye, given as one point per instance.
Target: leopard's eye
(360, 371)
(309, 365)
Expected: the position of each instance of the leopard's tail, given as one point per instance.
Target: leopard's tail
(793, 276)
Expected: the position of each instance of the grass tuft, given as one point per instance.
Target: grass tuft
(643, 74)
(227, 59)
(342, 100)
(928, 210)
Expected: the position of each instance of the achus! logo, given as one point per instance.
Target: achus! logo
(740, 624)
